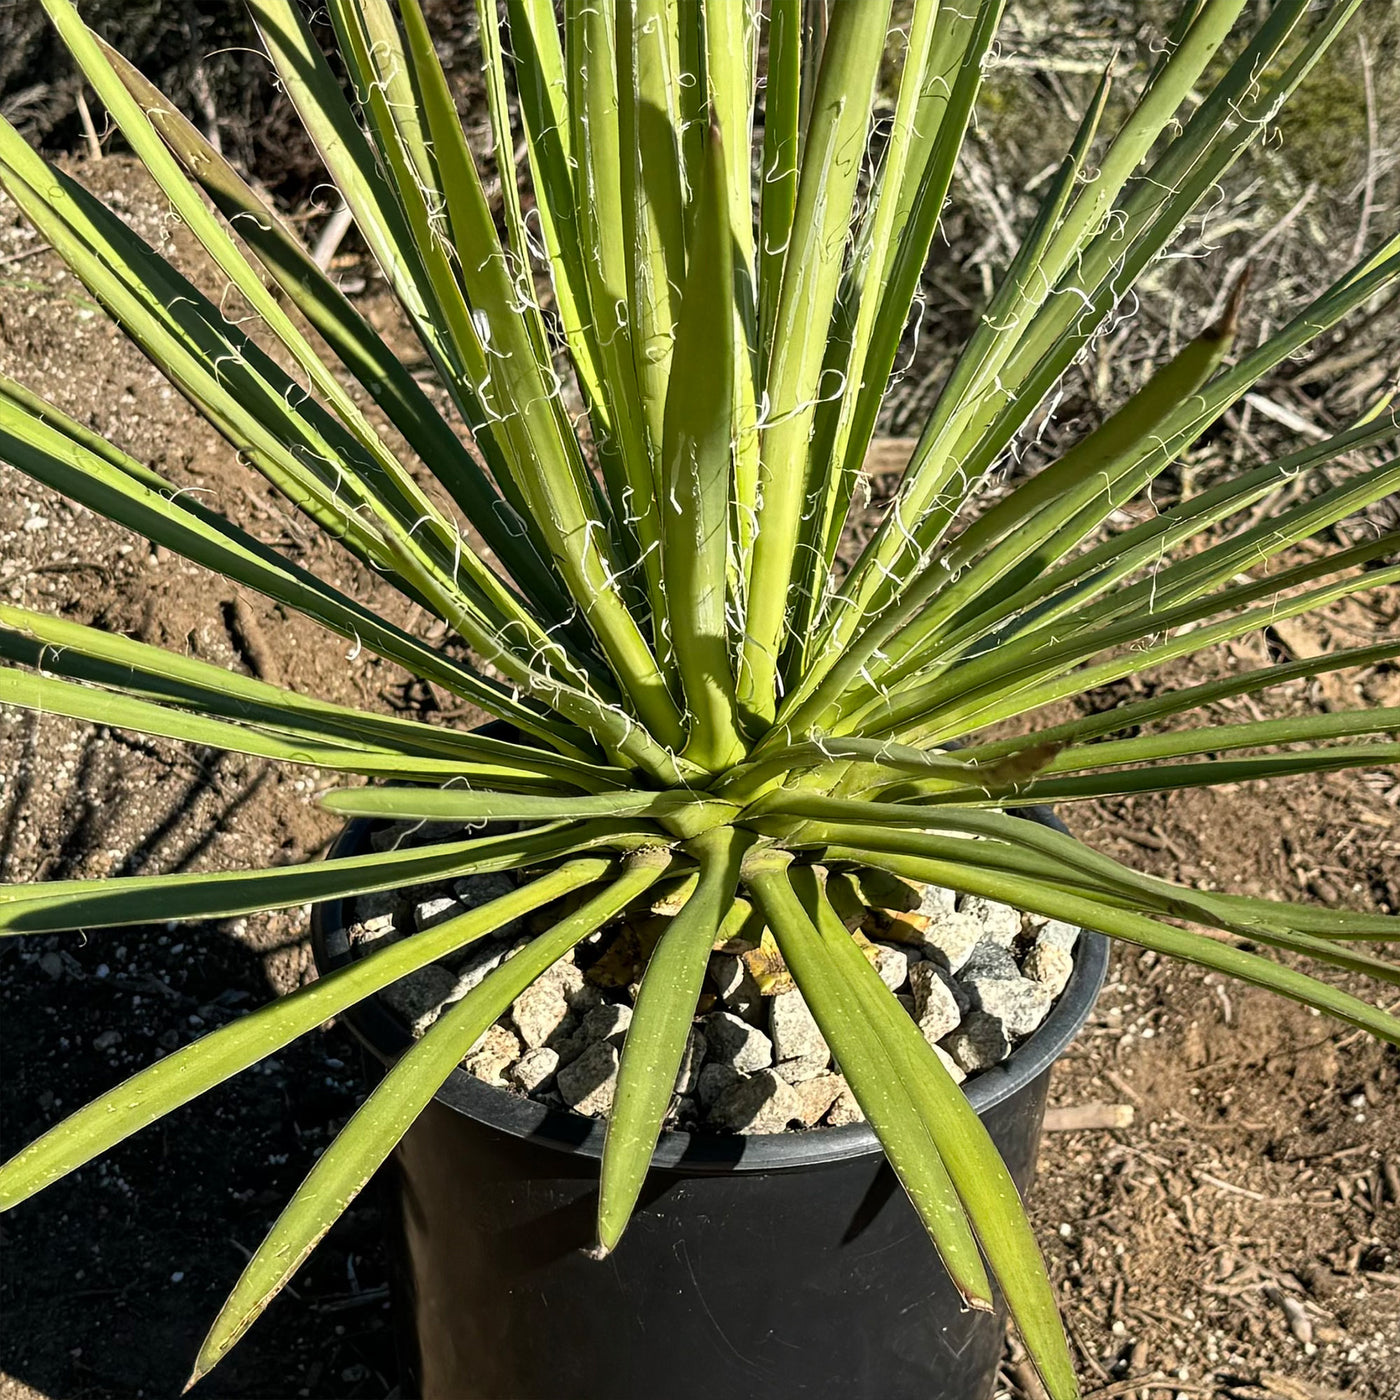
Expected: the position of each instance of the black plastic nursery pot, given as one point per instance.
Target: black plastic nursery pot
(754, 1268)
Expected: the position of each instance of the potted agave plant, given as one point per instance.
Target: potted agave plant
(665, 354)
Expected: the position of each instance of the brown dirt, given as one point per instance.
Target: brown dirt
(1261, 1173)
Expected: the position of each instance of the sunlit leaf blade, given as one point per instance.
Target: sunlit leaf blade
(1027, 847)
(460, 804)
(833, 143)
(656, 1036)
(697, 473)
(343, 1169)
(359, 347)
(1041, 897)
(59, 905)
(980, 1177)
(120, 663)
(193, 1069)
(1174, 701)
(868, 1062)
(1021, 522)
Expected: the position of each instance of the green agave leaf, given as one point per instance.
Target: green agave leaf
(46, 445)
(1236, 111)
(61, 905)
(867, 1060)
(661, 1018)
(1168, 776)
(1048, 668)
(363, 1144)
(56, 646)
(519, 391)
(939, 84)
(460, 804)
(49, 696)
(1006, 841)
(833, 143)
(159, 162)
(649, 79)
(731, 72)
(381, 372)
(935, 459)
(697, 474)
(1041, 897)
(596, 194)
(823, 957)
(1220, 737)
(193, 1069)
(777, 192)
(1028, 516)
(1181, 700)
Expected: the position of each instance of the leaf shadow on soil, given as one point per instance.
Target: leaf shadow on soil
(111, 1276)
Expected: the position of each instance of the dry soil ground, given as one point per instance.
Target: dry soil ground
(1241, 1237)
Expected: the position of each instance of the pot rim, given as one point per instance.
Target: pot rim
(386, 1038)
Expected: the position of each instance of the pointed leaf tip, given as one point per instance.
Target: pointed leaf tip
(1229, 322)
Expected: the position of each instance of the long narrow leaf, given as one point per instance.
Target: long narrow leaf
(656, 1037)
(343, 1169)
(193, 1069)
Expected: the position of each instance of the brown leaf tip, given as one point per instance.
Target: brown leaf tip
(1229, 322)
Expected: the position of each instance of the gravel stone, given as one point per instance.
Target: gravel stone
(374, 933)
(988, 960)
(760, 1103)
(935, 901)
(1056, 933)
(387, 838)
(472, 965)
(844, 1111)
(542, 1010)
(807, 1067)
(794, 1029)
(378, 904)
(607, 1022)
(978, 1043)
(734, 1042)
(1018, 1003)
(588, 1084)
(950, 1064)
(713, 1080)
(935, 1007)
(737, 989)
(418, 999)
(892, 963)
(436, 910)
(950, 938)
(1000, 922)
(1050, 965)
(492, 1055)
(539, 1013)
(472, 891)
(534, 1069)
(817, 1095)
(375, 918)
(692, 1059)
